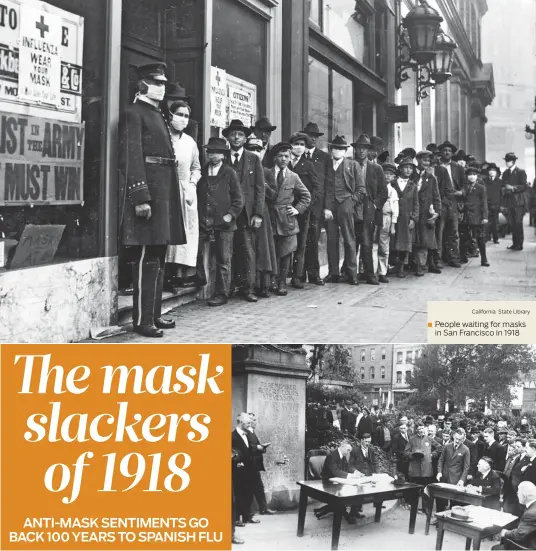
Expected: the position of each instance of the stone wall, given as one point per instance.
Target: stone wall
(270, 381)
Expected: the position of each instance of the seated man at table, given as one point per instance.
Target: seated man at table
(525, 533)
(488, 482)
(337, 465)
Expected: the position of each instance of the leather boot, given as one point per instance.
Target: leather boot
(145, 276)
(432, 268)
(159, 321)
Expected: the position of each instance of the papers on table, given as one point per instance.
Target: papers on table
(456, 488)
(380, 478)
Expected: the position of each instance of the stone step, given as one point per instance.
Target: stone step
(169, 301)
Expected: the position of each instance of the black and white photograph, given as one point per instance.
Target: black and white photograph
(383, 446)
(168, 166)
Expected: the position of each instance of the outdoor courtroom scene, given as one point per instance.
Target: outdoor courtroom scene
(321, 460)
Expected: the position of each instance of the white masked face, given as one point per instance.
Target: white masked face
(338, 153)
(509, 164)
(156, 92)
(492, 174)
(472, 178)
(180, 119)
(298, 149)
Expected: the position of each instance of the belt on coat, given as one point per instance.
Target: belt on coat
(160, 161)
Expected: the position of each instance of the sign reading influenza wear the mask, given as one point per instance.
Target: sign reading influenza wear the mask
(41, 54)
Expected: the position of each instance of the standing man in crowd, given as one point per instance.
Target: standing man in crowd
(529, 470)
(515, 199)
(494, 450)
(513, 475)
(263, 129)
(248, 167)
(494, 194)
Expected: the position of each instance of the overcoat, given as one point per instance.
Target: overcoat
(320, 160)
(144, 133)
(408, 207)
(454, 464)
(476, 204)
(419, 466)
(428, 197)
(377, 192)
(516, 198)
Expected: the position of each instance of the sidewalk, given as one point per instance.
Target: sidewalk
(393, 312)
(279, 532)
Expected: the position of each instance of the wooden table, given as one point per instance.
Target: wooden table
(461, 495)
(340, 496)
(486, 523)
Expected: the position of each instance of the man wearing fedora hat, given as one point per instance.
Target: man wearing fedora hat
(151, 205)
(377, 194)
(220, 202)
(250, 173)
(448, 222)
(320, 160)
(263, 129)
(345, 193)
(515, 187)
(376, 149)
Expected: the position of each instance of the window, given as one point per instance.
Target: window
(408, 376)
(409, 356)
(362, 372)
(382, 368)
(384, 353)
(342, 25)
(399, 376)
(372, 354)
(363, 354)
(371, 372)
(330, 103)
(399, 357)
(314, 11)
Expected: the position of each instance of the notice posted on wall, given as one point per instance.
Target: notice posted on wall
(41, 161)
(482, 322)
(115, 447)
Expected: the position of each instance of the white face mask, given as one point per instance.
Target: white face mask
(472, 178)
(338, 153)
(156, 93)
(509, 164)
(298, 150)
(179, 123)
(492, 174)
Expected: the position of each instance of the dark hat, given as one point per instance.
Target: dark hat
(470, 159)
(406, 161)
(236, 124)
(389, 166)
(253, 143)
(377, 142)
(429, 419)
(472, 169)
(432, 147)
(285, 146)
(493, 166)
(460, 155)
(263, 124)
(407, 152)
(299, 136)
(154, 71)
(400, 480)
(474, 430)
(446, 143)
(424, 153)
(480, 426)
(463, 423)
(312, 128)
(363, 141)
(455, 425)
(175, 91)
(216, 144)
(383, 156)
(510, 157)
(418, 453)
(339, 142)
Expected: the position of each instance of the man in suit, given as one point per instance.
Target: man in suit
(399, 443)
(320, 160)
(446, 194)
(383, 435)
(306, 171)
(263, 129)
(494, 193)
(290, 200)
(348, 418)
(363, 456)
(151, 213)
(345, 193)
(473, 460)
(248, 167)
(529, 470)
(245, 472)
(525, 533)
(515, 200)
(258, 450)
(449, 220)
(493, 450)
(376, 195)
(513, 475)
(454, 464)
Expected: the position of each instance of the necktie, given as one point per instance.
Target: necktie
(280, 178)
(235, 164)
(308, 156)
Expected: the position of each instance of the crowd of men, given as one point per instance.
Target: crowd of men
(263, 207)
(493, 454)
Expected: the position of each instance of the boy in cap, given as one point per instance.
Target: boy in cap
(220, 201)
(474, 216)
(515, 186)
(390, 217)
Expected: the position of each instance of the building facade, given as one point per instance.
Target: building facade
(373, 370)
(404, 357)
(512, 49)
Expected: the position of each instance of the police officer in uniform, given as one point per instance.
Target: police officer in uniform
(151, 213)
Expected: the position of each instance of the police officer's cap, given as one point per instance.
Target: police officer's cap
(153, 71)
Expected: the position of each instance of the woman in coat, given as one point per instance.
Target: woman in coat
(291, 198)
(181, 259)
(429, 209)
(408, 213)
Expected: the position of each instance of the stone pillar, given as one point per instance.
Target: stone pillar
(270, 380)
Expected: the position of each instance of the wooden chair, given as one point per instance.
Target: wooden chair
(314, 462)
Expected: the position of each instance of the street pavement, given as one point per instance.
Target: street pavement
(279, 532)
(341, 313)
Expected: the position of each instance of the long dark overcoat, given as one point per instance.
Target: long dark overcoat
(408, 205)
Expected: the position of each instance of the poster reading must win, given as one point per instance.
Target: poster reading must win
(41, 161)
